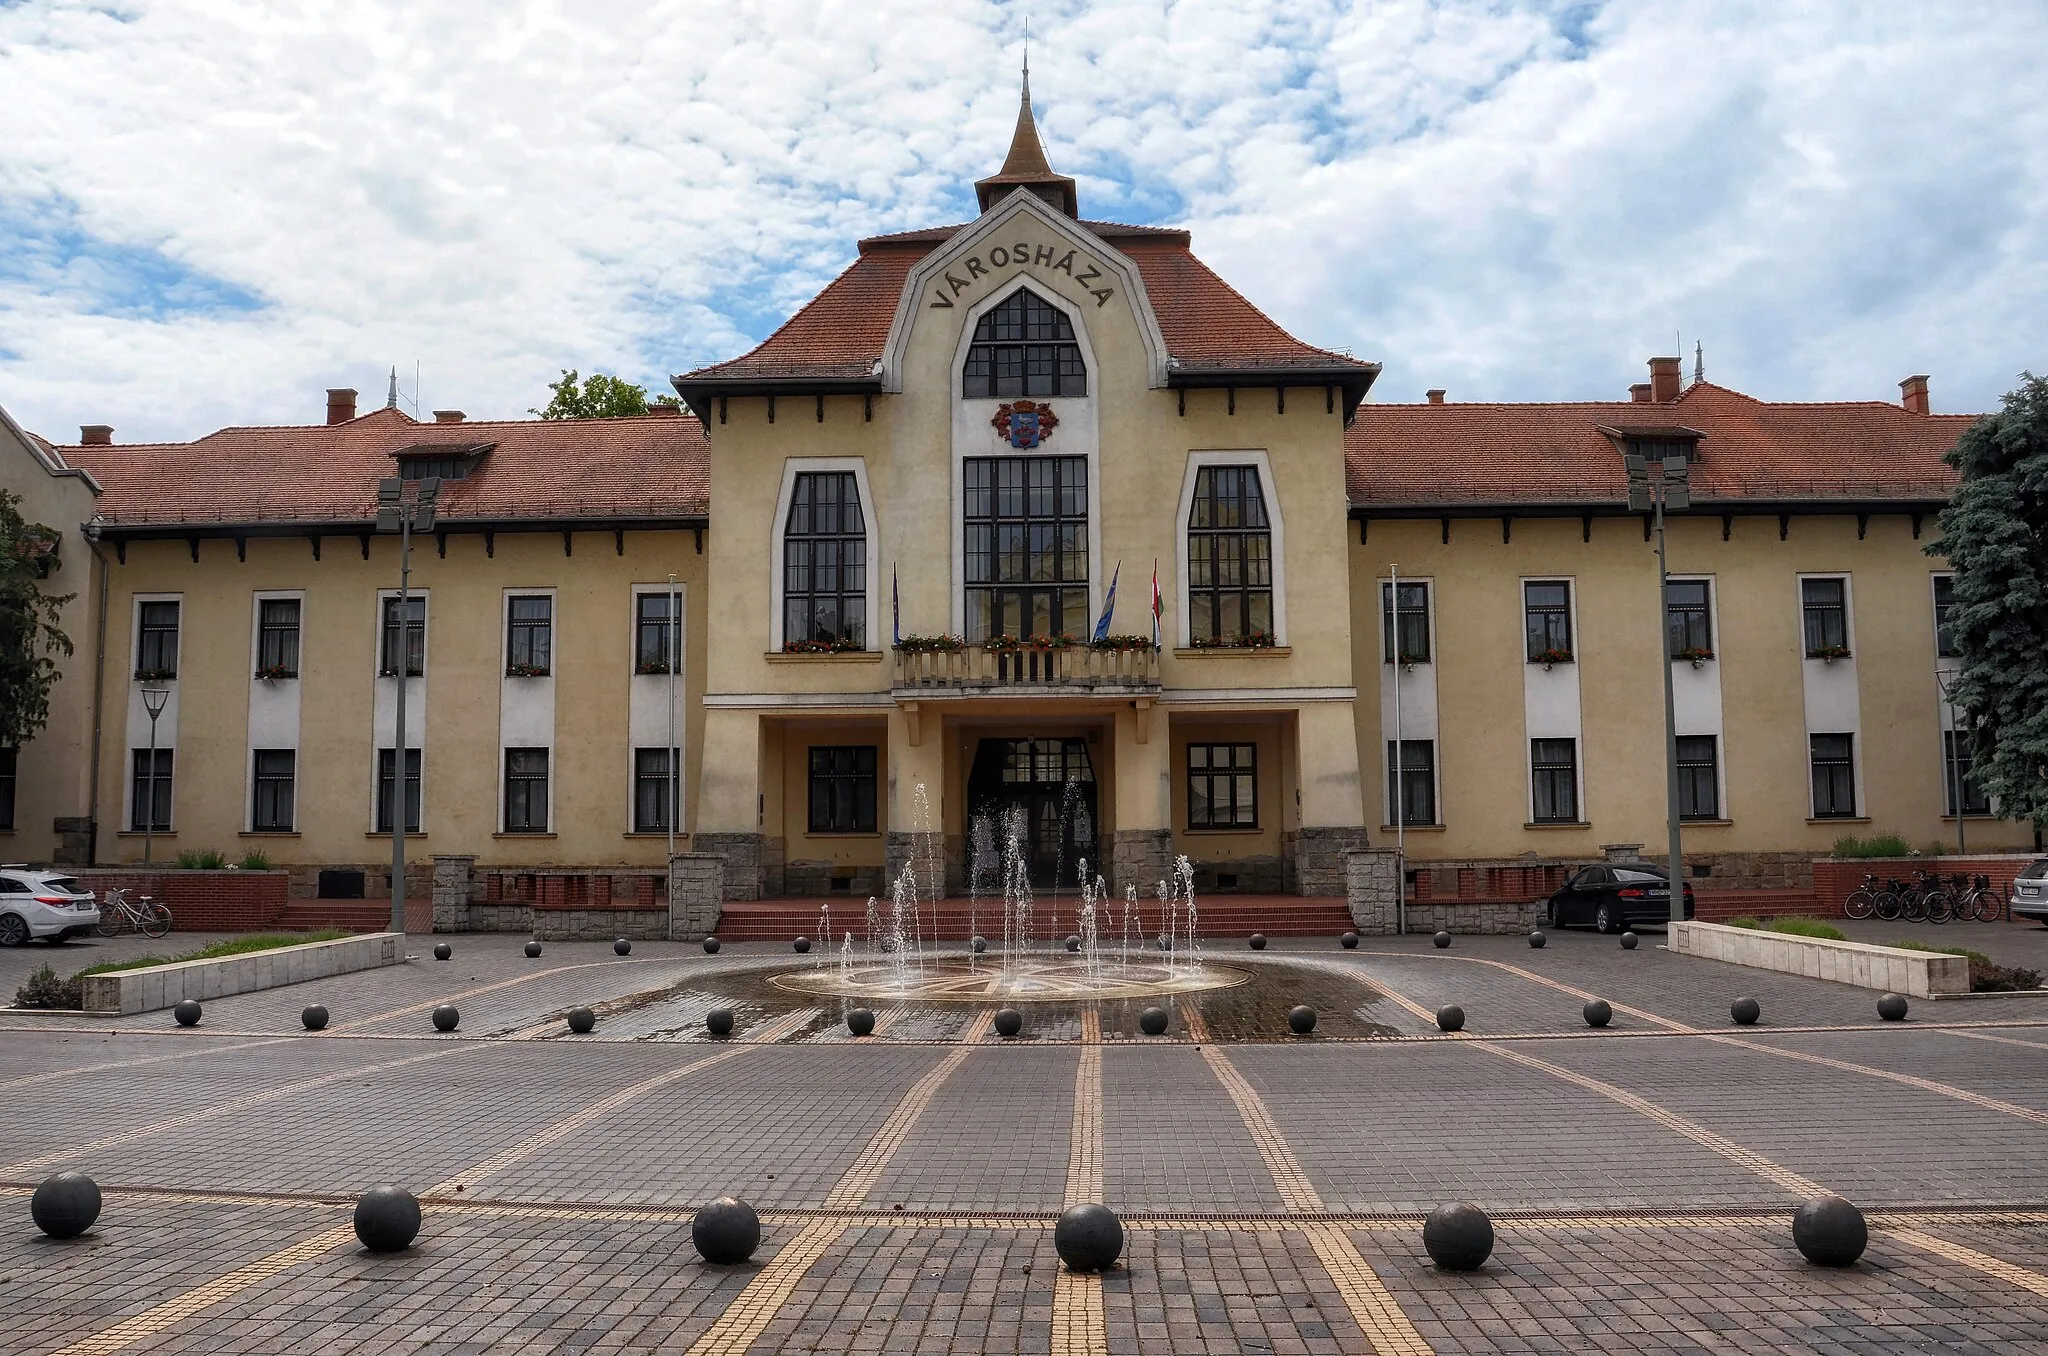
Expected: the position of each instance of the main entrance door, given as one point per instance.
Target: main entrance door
(1046, 788)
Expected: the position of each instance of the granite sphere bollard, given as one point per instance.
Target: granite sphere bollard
(1892, 1007)
(582, 1021)
(1745, 1011)
(861, 1022)
(1830, 1231)
(1073, 942)
(1537, 939)
(718, 1021)
(1458, 1237)
(726, 1231)
(978, 944)
(1088, 1237)
(1599, 1012)
(187, 1012)
(533, 950)
(1009, 1022)
(1301, 1019)
(315, 1018)
(1152, 1021)
(442, 951)
(1257, 941)
(1349, 941)
(802, 946)
(711, 946)
(1450, 1017)
(446, 1018)
(1628, 941)
(623, 947)
(65, 1204)
(1441, 940)
(387, 1219)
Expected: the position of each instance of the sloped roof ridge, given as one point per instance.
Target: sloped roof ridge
(1253, 307)
(785, 326)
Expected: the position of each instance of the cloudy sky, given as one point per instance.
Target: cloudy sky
(212, 210)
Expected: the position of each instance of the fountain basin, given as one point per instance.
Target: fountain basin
(1061, 979)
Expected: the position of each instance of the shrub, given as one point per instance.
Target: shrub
(1877, 845)
(45, 990)
(1805, 927)
(255, 860)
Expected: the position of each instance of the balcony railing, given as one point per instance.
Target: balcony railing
(1078, 668)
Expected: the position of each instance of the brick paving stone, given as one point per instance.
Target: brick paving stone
(1986, 1068)
(1171, 1138)
(994, 1138)
(1209, 1290)
(922, 1292)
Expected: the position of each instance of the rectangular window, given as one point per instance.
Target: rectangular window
(276, 773)
(1699, 777)
(653, 789)
(655, 633)
(1547, 619)
(8, 758)
(150, 805)
(1689, 619)
(1961, 765)
(1554, 780)
(156, 648)
(529, 638)
(385, 761)
(412, 645)
(1944, 619)
(1411, 780)
(1410, 621)
(843, 788)
(526, 790)
(1834, 775)
(277, 637)
(1825, 602)
(825, 563)
(1230, 556)
(1026, 536)
(1223, 786)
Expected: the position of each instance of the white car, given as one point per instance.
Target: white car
(2030, 892)
(43, 904)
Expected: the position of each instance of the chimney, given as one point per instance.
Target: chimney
(341, 404)
(1664, 379)
(102, 435)
(1436, 395)
(1913, 395)
(447, 416)
(1640, 393)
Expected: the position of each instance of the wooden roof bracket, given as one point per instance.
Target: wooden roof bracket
(315, 539)
(721, 409)
(821, 407)
(1182, 393)
(567, 538)
(1447, 529)
(121, 548)
(771, 409)
(1585, 527)
(1507, 527)
(699, 532)
(1649, 522)
(867, 407)
(1916, 525)
(1231, 392)
(242, 549)
(1329, 400)
(1279, 400)
(441, 543)
(364, 538)
(490, 544)
(1862, 525)
(1361, 531)
(1784, 526)
(1727, 526)
(619, 541)
(193, 542)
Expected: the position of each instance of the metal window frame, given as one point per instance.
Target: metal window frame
(1209, 775)
(851, 779)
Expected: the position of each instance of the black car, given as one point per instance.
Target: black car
(1614, 897)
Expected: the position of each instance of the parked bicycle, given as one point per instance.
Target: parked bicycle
(146, 916)
(1862, 901)
(1926, 898)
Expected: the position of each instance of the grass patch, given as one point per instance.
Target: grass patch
(1986, 975)
(1791, 927)
(255, 860)
(1877, 845)
(202, 859)
(233, 946)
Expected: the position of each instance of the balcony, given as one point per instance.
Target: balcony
(1027, 671)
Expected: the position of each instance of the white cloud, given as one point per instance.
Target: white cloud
(1516, 201)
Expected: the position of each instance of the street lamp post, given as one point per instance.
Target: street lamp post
(672, 645)
(1668, 487)
(153, 699)
(398, 513)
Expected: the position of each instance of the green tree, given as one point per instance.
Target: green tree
(598, 397)
(1994, 534)
(29, 639)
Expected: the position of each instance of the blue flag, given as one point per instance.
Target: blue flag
(895, 605)
(1108, 604)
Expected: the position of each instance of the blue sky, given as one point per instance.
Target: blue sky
(209, 214)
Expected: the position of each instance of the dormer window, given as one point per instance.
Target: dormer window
(1024, 347)
(1663, 449)
(444, 461)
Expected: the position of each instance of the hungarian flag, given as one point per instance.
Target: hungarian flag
(1157, 609)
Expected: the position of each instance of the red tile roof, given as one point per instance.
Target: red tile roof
(1207, 324)
(657, 466)
(1498, 454)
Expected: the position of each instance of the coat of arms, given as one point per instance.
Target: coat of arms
(1025, 423)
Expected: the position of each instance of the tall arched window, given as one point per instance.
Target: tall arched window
(1024, 347)
(1230, 557)
(825, 562)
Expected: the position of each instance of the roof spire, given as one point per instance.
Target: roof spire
(1026, 167)
(1699, 362)
(391, 401)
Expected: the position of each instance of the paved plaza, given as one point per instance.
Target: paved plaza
(1641, 1177)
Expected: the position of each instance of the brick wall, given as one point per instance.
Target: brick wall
(204, 901)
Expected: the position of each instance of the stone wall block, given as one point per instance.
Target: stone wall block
(697, 885)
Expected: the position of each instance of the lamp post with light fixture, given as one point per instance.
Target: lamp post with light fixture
(405, 515)
(1653, 491)
(154, 696)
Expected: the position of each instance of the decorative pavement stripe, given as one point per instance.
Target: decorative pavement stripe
(233, 1104)
(1078, 1327)
(1951, 1031)
(977, 1027)
(429, 1004)
(1091, 1027)
(1191, 1021)
(1907, 1080)
(1375, 1310)
(787, 1025)
(1970, 1257)
(150, 1322)
(874, 1159)
(886, 1018)
(756, 1306)
(55, 1074)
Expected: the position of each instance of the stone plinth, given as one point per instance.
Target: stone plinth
(741, 854)
(1320, 868)
(454, 879)
(697, 882)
